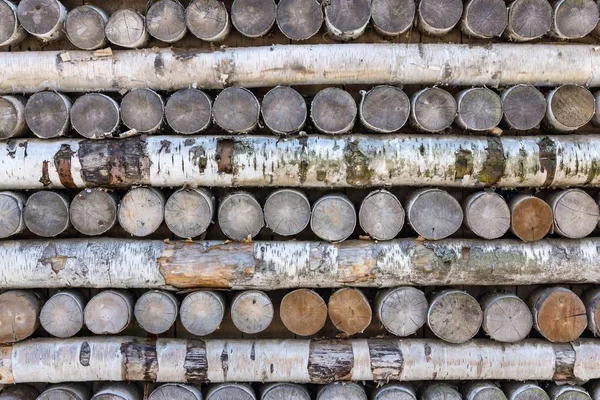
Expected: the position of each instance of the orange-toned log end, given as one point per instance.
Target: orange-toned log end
(531, 218)
(560, 315)
(303, 312)
(349, 311)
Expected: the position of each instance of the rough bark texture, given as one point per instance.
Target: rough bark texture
(333, 111)
(252, 311)
(43, 19)
(19, 317)
(486, 214)
(189, 212)
(432, 109)
(188, 111)
(93, 211)
(62, 314)
(523, 106)
(127, 28)
(47, 114)
(299, 19)
(438, 17)
(381, 215)
(253, 18)
(454, 315)
(236, 110)
(384, 109)
(402, 310)
(165, 20)
(574, 18)
(333, 217)
(12, 114)
(569, 107)
(208, 20)
(11, 31)
(591, 298)
(95, 116)
(85, 27)
(196, 361)
(202, 312)
(528, 19)
(392, 17)
(156, 311)
(433, 213)
(47, 213)
(575, 213)
(558, 314)
(143, 110)
(349, 311)
(506, 317)
(284, 110)
(240, 216)
(485, 18)
(287, 212)
(347, 19)
(171, 391)
(109, 312)
(303, 312)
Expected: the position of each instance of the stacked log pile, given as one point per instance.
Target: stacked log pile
(225, 200)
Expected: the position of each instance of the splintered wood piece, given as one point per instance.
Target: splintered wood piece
(591, 298)
(62, 314)
(479, 109)
(402, 311)
(303, 312)
(240, 216)
(189, 212)
(287, 212)
(208, 20)
(253, 18)
(438, 17)
(85, 27)
(18, 392)
(485, 18)
(523, 106)
(11, 32)
(175, 391)
(47, 114)
(440, 391)
(384, 109)
(93, 211)
(299, 19)
(342, 390)
(11, 213)
(156, 311)
(141, 211)
(236, 110)
(569, 107)
(202, 312)
(486, 214)
(47, 213)
(165, 20)
(454, 315)
(506, 318)
(482, 391)
(284, 391)
(127, 28)
(95, 116)
(252, 311)
(66, 391)
(381, 215)
(12, 113)
(333, 217)
(531, 217)
(393, 17)
(395, 391)
(229, 391)
(349, 311)
(528, 19)
(558, 314)
(118, 391)
(432, 109)
(44, 19)
(333, 111)
(188, 111)
(284, 110)
(142, 110)
(433, 213)
(109, 312)
(20, 315)
(575, 213)
(347, 19)
(574, 19)
(524, 391)
(567, 392)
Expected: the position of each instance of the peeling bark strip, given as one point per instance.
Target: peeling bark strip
(303, 361)
(121, 263)
(423, 64)
(313, 161)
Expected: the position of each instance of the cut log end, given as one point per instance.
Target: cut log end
(394, 391)
(156, 311)
(284, 110)
(485, 18)
(393, 17)
(240, 216)
(11, 207)
(188, 111)
(19, 392)
(47, 114)
(253, 18)
(47, 213)
(438, 17)
(528, 19)
(433, 213)
(62, 314)
(524, 107)
(347, 19)
(558, 314)
(440, 391)
(432, 109)
(333, 111)
(228, 391)
(531, 218)
(569, 107)
(299, 19)
(95, 116)
(85, 27)
(486, 214)
(284, 391)
(208, 20)
(454, 316)
(567, 392)
(252, 311)
(575, 213)
(11, 32)
(381, 215)
(42, 18)
(108, 312)
(303, 312)
(479, 109)
(165, 20)
(202, 312)
(127, 28)
(20, 315)
(66, 391)
(142, 110)
(506, 318)
(524, 391)
(482, 391)
(574, 19)
(333, 218)
(171, 391)
(93, 211)
(141, 211)
(189, 212)
(345, 390)
(118, 391)
(402, 311)
(12, 114)
(349, 311)
(384, 109)
(287, 212)
(236, 110)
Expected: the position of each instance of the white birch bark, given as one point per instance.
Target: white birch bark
(269, 66)
(121, 263)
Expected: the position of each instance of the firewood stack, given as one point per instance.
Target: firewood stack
(299, 199)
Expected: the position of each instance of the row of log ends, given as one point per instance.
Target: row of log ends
(432, 213)
(453, 315)
(208, 20)
(291, 391)
(383, 109)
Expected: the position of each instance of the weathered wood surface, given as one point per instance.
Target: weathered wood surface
(454, 315)
(127, 28)
(62, 314)
(484, 18)
(252, 311)
(333, 217)
(524, 391)
(47, 114)
(482, 391)
(523, 106)
(423, 64)
(156, 311)
(11, 31)
(304, 361)
(253, 18)
(575, 213)
(19, 392)
(574, 19)
(66, 391)
(188, 111)
(486, 214)
(392, 17)
(189, 212)
(171, 391)
(93, 211)
(567, 392)
(284, 110)
(42, 18)
(528, 19)
(12, 115)
(569, 107)
(506, 317)
(95, 116)
(118, 391)
(287, 212)
(591, 298)
(558, 314)
(142, 110)
(85, 25)
(531, 217)
(208, 20)
(432, 109)
(303, 312)
(384, 109)
(440, 391)
(121, 263)
(381, 215)
(46, 213)
(299, 19)
(240, 216)
(395, 391)
(402, 311)
(433, 213)
(338, 390)
(479, 109)
(333, 111)
(165, 20)
(109, 312)
(202, 312)
(438, 17)
(349, 311)
(227, 391)
(236, 110)
(141, 211)
(11, 206)
(20, 315)
(347, 19)
(284, 391)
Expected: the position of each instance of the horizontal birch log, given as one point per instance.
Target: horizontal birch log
(303, 361)
(121, 263)
(422, 64)
(313, 161)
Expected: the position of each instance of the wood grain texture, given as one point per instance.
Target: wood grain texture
(558, 314)
(392, 17)
(109, 312)
(433, 213)
(12, 113)
(479, 109)
(484, 18)
(240, 216)
(440, 391)
(506, 318)
(93, 211)
(11, 31)
(381, 215)
(156, 311)
(347, 19)
(574, 18)
(47, 114)
(531, 217)
(454, 315)
(482, 391)
(384, 109)
(486, 214)
(349, 391)
(188, 111)
(42, 18)
(11, 213)
(299, 19)
(528, 19)
(303, 312)
(189, 212)
(127, 28)
(143, 110)
(95, 116)
(569, 107)
(170, 391)
(62, 314)
(349, 311)
(252, 311)
(208, 20)
(524, 391)
(202, 312)
(20, 315)
(141, 211)
(165, 20)
(402, 311)
(575, 213)
(66, 391)
(287, 212)
(47, 213)
(333, 111)
(236, 110)
(253, 18)
(284, 391)
(85, 26)
(432, 109)
(438, 17)
(567, 392)
(523, 106)
(333, 217)
(231, 391)
(395, 391)
(284, 110)
(118, 391)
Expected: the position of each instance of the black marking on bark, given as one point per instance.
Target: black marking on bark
(547, 156)
(159, 65)
(45, 178)
(84, 354)
(196, 363)
(224, 156)
(387, 361)
(225, 360)
(198, 158)
(463, 165)
(495, 163)
(253, 352)
(564, 355)
(358, 172)
(165, 146)
(140, 360)
(62, 163)
(330, 360)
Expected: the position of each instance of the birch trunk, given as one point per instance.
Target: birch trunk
(303, 361)
(423, 64)
(121, 263)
